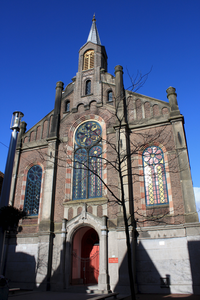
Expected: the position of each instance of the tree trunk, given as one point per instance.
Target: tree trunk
(129, 253)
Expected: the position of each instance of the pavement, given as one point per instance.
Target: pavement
(36, 295)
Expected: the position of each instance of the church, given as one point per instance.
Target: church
(104, 158)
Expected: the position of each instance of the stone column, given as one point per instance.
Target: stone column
(46, 225)
(47, 210)
(56, 115)
(48, 189)
(68, 261)
(63, 250)
(103, 282)
(172, 97)
(120, 103)
(119, 89)
(182, 156)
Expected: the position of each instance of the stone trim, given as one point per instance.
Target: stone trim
(90, 200)
(34, 144)
(169, 231)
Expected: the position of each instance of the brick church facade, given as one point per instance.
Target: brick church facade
(66, 177)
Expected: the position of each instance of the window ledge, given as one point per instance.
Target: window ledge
(87, 70)
(87, 95)
(31, 217)
(110, 102)
(157, 206)
(90, 200)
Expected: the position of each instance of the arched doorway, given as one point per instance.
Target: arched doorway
(85, 256)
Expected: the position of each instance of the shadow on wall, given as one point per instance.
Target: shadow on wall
(148, 279)
(18, 265)
(194, 257)
(22, 269)
(62, 276)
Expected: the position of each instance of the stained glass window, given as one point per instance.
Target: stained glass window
(95, 185)
(87, 161)
(154, 176)
(33, 186)
(80, 174)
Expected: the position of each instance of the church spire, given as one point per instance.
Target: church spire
(94, 35)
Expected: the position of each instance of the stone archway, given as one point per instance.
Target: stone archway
(85, 256)
(98, 226)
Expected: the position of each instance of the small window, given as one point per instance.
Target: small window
(110, 96)
(67, 106)
(88, 87)
(88, 60)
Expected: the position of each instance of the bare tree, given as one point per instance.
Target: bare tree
(123, 150)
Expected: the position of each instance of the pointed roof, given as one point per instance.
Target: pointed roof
(94, 35)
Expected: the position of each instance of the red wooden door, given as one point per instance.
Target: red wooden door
(93, 267)
(90, 258)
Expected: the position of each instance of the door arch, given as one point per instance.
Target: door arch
(85, 256)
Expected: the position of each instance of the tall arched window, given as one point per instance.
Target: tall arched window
(33, 186)
(88, 87)
(88, 60)
(154, 176)
(87, 161)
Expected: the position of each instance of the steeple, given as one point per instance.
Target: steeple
(92, 60)
(94, 35)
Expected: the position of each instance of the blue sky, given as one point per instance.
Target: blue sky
(40, 41)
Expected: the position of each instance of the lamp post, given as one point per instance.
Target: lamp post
(4, 200)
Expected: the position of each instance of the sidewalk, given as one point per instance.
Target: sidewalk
(35, 295)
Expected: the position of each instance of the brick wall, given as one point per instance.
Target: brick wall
(160, 135)
(27, 160)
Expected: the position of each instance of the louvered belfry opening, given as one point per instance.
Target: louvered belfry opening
(88, 62)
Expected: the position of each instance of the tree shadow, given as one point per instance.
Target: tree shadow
(18, 265)
(21, 269)
(62, 277)
(148, 279)
(194, 258)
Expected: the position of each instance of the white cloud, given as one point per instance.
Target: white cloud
(197, 198)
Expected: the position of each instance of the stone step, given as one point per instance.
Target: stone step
(89, 289)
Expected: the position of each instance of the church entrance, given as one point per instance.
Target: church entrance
(85, 256)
